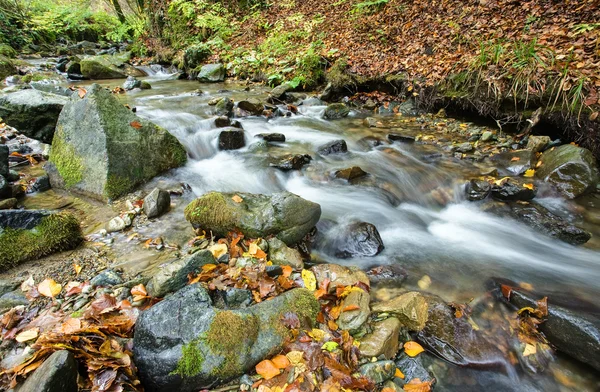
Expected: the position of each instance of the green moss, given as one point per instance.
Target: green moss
(338, 75)
(117, 186)
(8, 51)
(55, 233)
(191, 360)
(212, 211)
(68, 163)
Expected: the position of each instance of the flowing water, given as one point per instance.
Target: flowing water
(453, 242)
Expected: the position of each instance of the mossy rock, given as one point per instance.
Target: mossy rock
(195, 55)
(186, 344)
(211, 73)
(7, 51)
(284, 215)
(7, 67)
(28, 235)
(103, 150)
(108, 67)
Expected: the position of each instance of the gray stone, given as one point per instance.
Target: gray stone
(356, 239)
(4, 171)
(58, 373)
(379, 371)
(514, 162)
(486, 136)
(464, 147)
(383, 340)
(339, 275)
(370, 122)
(7, 285)
(272, 137)
(11, 299)
(350, 173)
(281, 254)
(5, 188)
(224, 107)
(538, 143)
(13, 175)
(232, 298)
(157, 203)
(211, 73)
(52, 88)
(231, 138)
(34, 113)
(398, 137)
(103, 150)
(412, 367)
(285, 215)
(352, 320)
(477, 190)
(252, 106)
(410, 308)
(184, 343)
(174, 275)
(333, 147)
(278, 94)
(291, 162)
(108, 67)
(195, 55)
(336, 111)
(131, 83)
(571, 169)
(512, 191)
(106, 278)
(118, 223)
(7, 67)
(41, 184)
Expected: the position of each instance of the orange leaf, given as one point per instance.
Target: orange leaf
(280, 361)
(351, 307)
(515, 159)
(139, 290)
(237, 199)
(416, 385)
(332, 325)
(287, 271)
(528, 186)
(267, 369)
(399, 374)
(412, 349)
(81, 92)
(136, 124)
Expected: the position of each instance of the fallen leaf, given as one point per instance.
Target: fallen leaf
(27, 335)
(529, 350)
(399, 374)
(528, 186)
(529, 173)
(267, 369)
(280, 361)
(424, 282)
(77, 268)
(49, 288)
(237, 199)
(309, 279)
(329, 346)
(218, 250)
(136, 124)
(416, 385)
(515, 159)
(81, 92)
(412, 349)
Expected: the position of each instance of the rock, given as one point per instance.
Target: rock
(352, 320)
(514, 162)
(292, 162)
(278, 94)
(103, 150)
(272, 137)
(571, 169)
(252, 106)
(412, 367)
(157, 203)
(356, 239)
(5, 189)
(174, 275)
(34, 113)
(118, 223)
(231, 139)
(232, 298)
(538, 143)
(336, 111)
(511, 191)
(31, 234)
(397, 137)
(387, 275)
(145, 85)
(339, 276)
(464, 147)
(379, 371)
(8, 203)
(11, 299)
(51, 88)
(454, 339)
(195, 55)
(285, 215)
(7, 67)
(108, 67)
(7, 286)
(131, 83)
(13, 176)
(383, 340)
(106, 278)
(224, 107)
(184, 343)
(222, 122)
(4, 171)
(58, 373)
(281, 254)
(486, 136)
(370, 122)
(410, 308)
(41, 184)
(211, 73)
(543, 221)
(350, 173)
(477, 190)
(408, 108)
(333, 147)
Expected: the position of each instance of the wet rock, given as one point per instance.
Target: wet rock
(211, 73)
(370, 122)
(336, 111)
(174, 275)
(511, 191)
(11, 299)
(285, 215)
(34, 113)
(352, 320)
(41, 184)
(477, 190)
(486, 136)
(108, 67)
(131, 83)
(281, 254)
(379, 371)
(357, 239)
(538, 143)
(397, 137)
(333, 147)
(514, 162)
(387, 275)
(272, 137)
(106, 278)
(31, 234)
(51, 88)
(292, 162)
(350, 173)
(412, 367)
(13, 176)
(7, 286)
(8, 203)
(454, 339)
(278, 94)
(383, 340)
(464, 147)
(408, 108)
(224, 107)
(118, 223)
(231, 139)
(58, 373)
(103, 150)
(338, 275)
(410, 308)
(7, 67)
(222, 121)
(4, 171)
(195, 55)
(184, 343)
(232, 298)
(157, 203)
(252, 106)
(571, 169)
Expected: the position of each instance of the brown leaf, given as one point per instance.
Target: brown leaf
(136, 124)
(81, 92)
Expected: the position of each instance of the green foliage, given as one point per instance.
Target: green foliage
(369, 6)
(198, 21)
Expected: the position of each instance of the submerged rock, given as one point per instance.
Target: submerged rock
(211, 73)
(412, 367)
(292, 162)
(272, 137)
(103, 150)
(285, 215)
(333, 147)
(34, 113)
(478, 190)
(58, 373)
(31, 234)
(174, 275)
(336, 111)
(379, 371)
(357, 239)
(571, 169)
(387, 275)
(252, 106)
(224, 107)
(410, 309)
(383, 340)
(184, 343)
(157, 203)
(397, 137)
(515, 162)
(231, 138)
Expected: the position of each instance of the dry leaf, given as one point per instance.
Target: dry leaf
(309, 279)
(529, 173)
(237, 199)
(416, 385)
(399, 374)
(136, 124)
(49, 288)
(280, 361)
(81, 92)
(412, 349)
(528, 186)
(267, 369)
(27, 335)
(77, 268)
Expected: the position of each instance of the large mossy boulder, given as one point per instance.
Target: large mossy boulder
(185, 344)
(284, 215)
(103, 150)
(7, 67)
(195, 55)
(34, 113)
(571, 169)
(211, 73)
(108, 67)
(31, 234)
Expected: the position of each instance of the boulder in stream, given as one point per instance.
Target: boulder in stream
(355, 239)
(4, 170)
(224, 107)
(174, 275)
(231, 138)
(103, 150)
(409, 308)
(336, 111)
(211, 73)
(383, 340)
(513, 191)
(333, 147)
(157, 203)
(7, 67)
(291, 162)
(284, 215)
(251, 106)
(108, 67)
(477, 190)
(34, 113)
(514, 163)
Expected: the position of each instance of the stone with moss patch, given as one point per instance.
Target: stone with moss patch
(7, 67)
(108, 67)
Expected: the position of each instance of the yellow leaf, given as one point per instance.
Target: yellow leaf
(267, 369)
(538, 164)
(27, 335)
(399, 374)
(295, 357)
(310, 282)
(218, 250)
(237, 199)
(424, 282)
(501, 181)
(529, 173)
(528, 186)
(77, 268)
(49, 288)
(412, 349)
(317, 334)
(529, 349)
